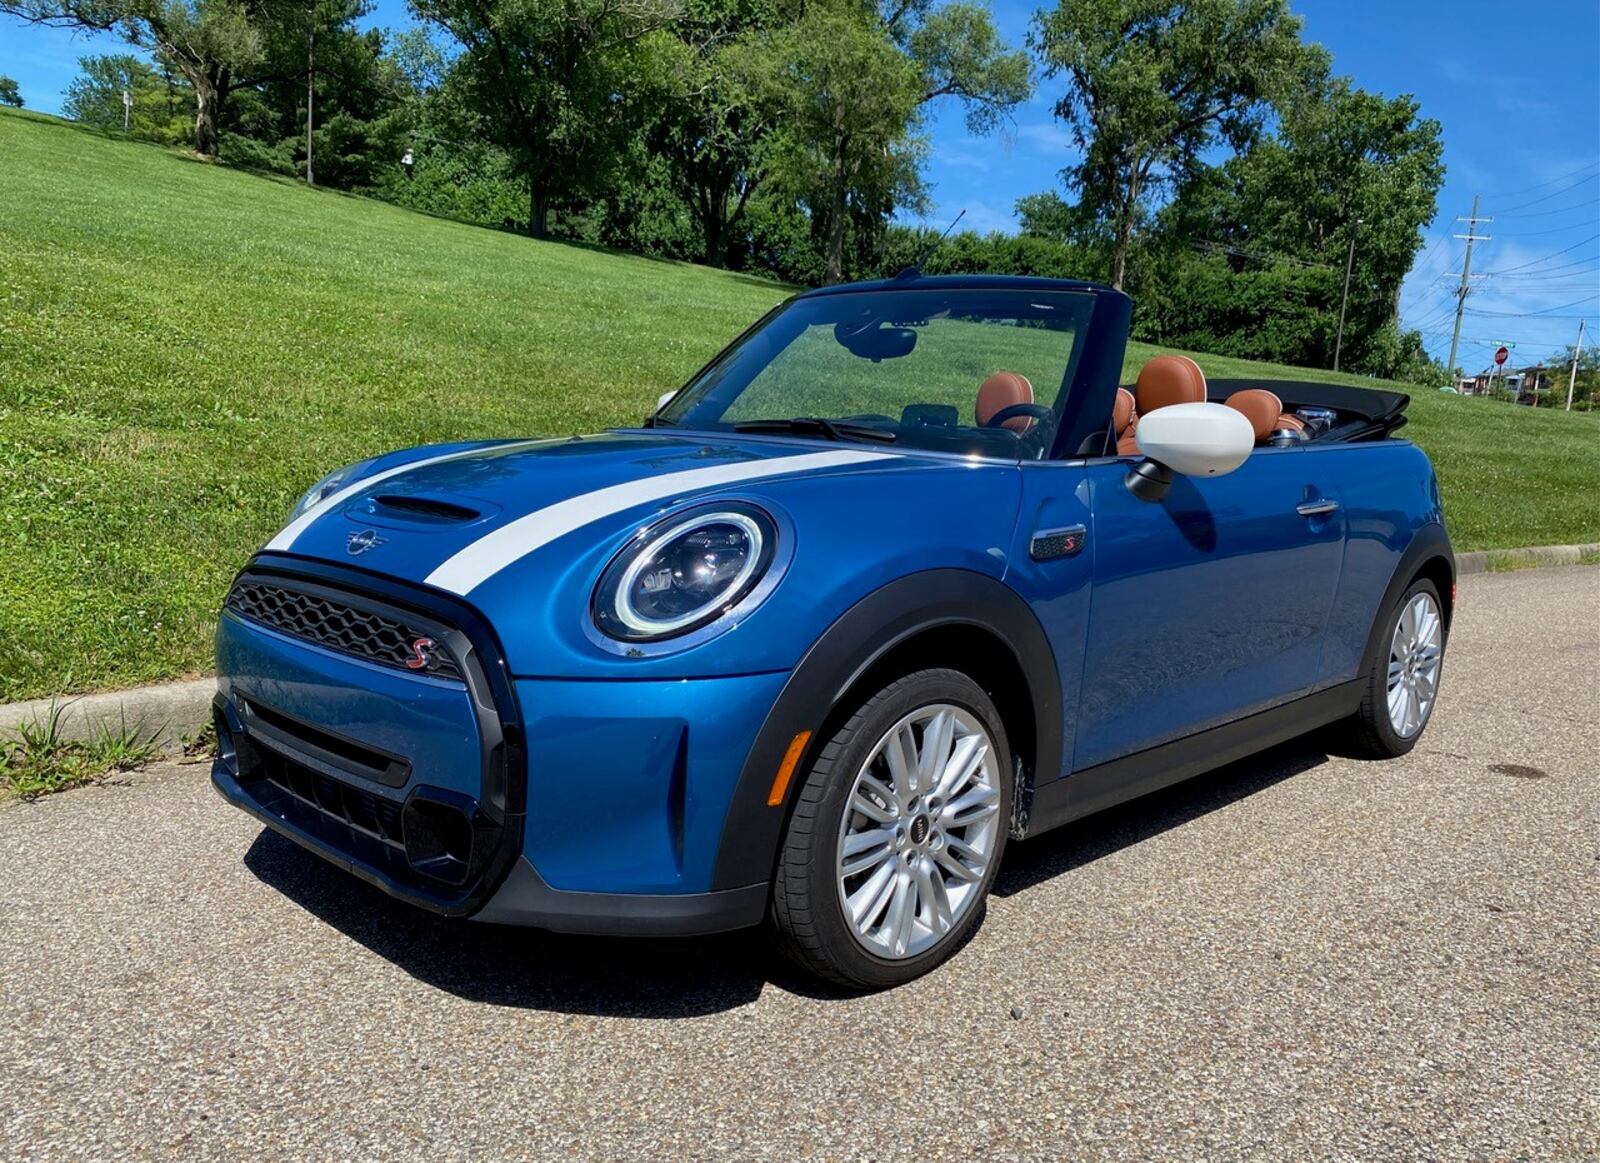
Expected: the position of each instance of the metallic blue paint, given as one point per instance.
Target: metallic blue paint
(629, 782)
(430, 721)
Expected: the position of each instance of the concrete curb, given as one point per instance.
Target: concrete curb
(167, 709)
(171, 708)
(1494, 560)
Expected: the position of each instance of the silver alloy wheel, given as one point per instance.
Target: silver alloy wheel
(921, 825)
(1415, 653)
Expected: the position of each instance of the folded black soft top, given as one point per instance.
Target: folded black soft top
(1363, 412)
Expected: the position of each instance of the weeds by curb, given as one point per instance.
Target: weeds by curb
(37, 759)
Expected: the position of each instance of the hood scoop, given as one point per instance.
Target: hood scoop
(430, 508)
(419, 510)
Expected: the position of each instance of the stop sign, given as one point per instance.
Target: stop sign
(1501, 356)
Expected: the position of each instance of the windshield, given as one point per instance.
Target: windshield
(972, 371)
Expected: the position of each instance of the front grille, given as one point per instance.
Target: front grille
(371, 815)
(342, 627)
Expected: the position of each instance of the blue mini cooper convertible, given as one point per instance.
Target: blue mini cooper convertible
(902, 574)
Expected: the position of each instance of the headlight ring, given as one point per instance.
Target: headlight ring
(684, 573)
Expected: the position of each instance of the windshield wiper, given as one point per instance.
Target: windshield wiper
(817, 426)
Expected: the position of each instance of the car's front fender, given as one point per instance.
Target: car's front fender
(847, 650)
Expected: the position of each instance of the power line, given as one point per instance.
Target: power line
(1206, 244)
(1551, 194)
(1541, 185)
(1547, 230)
(1558, 269)
(1546, 258)
(1546, 313)
(1562, 210)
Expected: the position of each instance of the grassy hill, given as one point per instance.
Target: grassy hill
(184, 348)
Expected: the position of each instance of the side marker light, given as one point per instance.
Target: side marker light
(791, 758)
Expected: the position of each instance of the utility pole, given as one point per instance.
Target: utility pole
(311, 83)
(1572, 376)
(1466, 273)
(1344, 300)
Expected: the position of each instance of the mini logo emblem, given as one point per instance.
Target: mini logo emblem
(421, 654)
(358, 543)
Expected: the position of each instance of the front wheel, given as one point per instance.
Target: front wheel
(1402, 679)
(896, 834)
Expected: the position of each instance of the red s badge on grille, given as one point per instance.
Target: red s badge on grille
(421, 651)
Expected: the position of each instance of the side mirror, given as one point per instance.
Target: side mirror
(1198, 440)
(665, 398)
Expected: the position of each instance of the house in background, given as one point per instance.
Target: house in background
(1522, 384)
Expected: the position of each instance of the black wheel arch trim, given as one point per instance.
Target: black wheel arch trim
(1430, 543)
(861, 637)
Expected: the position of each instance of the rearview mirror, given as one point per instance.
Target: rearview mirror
(876, 342)
(1198, 440)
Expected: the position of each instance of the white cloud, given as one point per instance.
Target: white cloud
(1049, 135)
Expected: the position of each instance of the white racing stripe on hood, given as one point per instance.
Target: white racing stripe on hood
(494, 551)
(286, 536)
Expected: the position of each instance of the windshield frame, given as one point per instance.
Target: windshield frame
(1100, 317)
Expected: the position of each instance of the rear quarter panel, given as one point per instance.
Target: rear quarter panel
(1389, 494)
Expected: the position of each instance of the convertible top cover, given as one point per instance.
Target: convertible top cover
(1364, 413)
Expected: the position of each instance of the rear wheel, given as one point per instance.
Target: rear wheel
(1402, 679)
(896, 834)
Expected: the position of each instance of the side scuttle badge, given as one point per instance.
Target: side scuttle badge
(1050, 544)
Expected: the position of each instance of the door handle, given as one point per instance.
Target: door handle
(1318, 508)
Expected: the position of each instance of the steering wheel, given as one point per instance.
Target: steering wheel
(1013, 411)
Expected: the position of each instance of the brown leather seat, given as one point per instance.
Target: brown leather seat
(1124, 419)
(1261, 407)
(999, 392)
(1169, 379)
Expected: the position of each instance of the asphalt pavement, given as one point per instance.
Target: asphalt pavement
(1299, 955)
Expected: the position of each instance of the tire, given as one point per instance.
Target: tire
(931, 824)
(1375, 731)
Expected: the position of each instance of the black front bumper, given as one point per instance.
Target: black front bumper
(523, 897)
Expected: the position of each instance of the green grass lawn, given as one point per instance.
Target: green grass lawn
(184, 348)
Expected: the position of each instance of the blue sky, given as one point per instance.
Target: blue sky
(1516, 87)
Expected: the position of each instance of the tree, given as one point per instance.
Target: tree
(960, 55)
(552, 80)
(9, 93)
(94, 97)
(213, 43)
(1154, 84)
(323, 74)
(845, 95)
(1345, 167)
(848, 84)
(710, 127)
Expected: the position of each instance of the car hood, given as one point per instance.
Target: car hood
(454, 517)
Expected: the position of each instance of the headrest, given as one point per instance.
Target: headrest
(1169, 379)
(1122, 412)
(1001, 391)
(1261, 407)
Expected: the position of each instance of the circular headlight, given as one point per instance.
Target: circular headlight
(684, 573)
